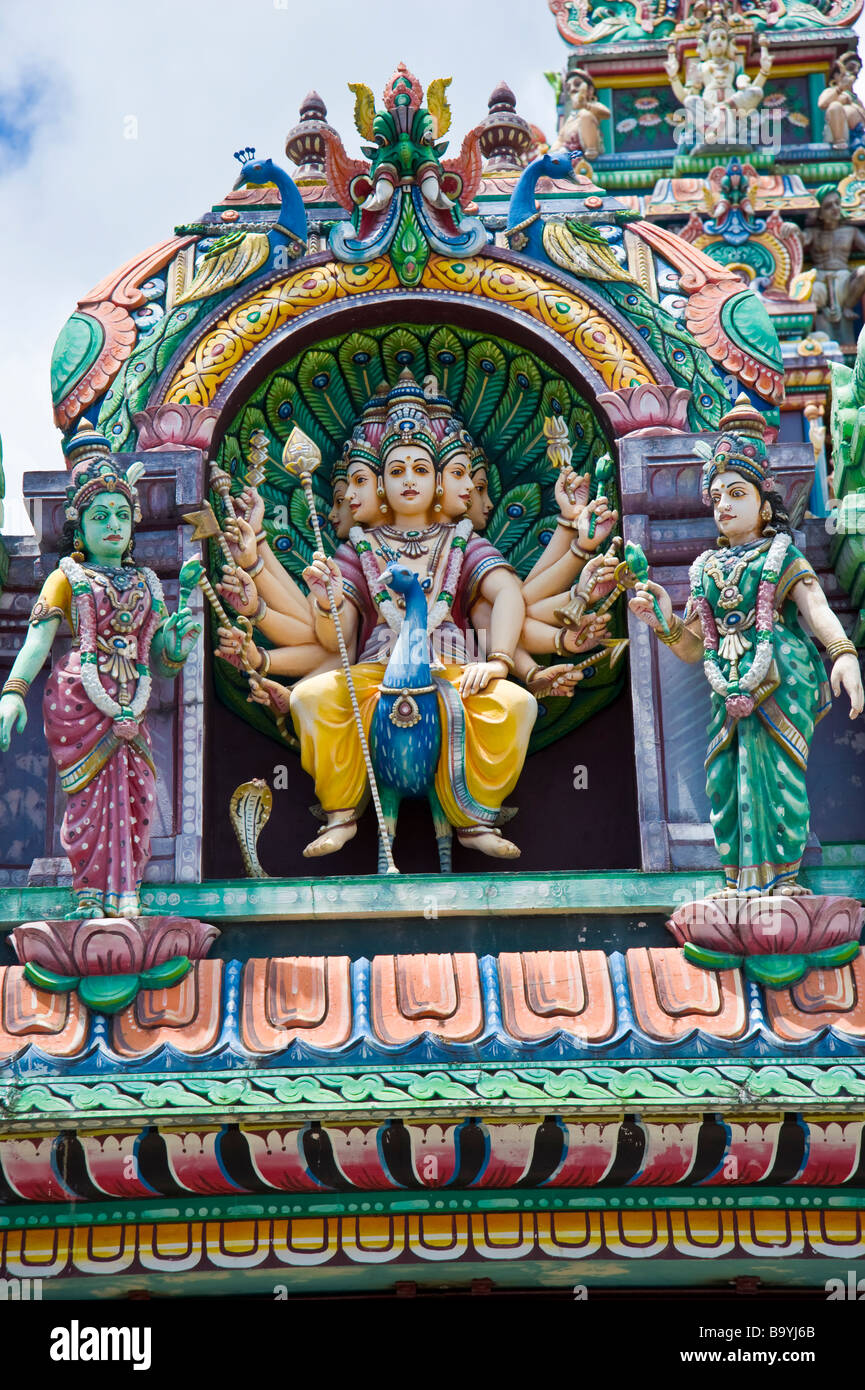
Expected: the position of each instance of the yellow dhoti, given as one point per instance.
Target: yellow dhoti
(498, 725)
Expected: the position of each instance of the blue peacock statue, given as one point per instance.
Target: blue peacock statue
(239, 254)
(405, 737)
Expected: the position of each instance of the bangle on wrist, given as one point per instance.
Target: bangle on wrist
(571, 525)
(260, 611)
(15, 685)
(260, 537)
(577, 549)
(263, 669)
(843, 647)
(257, 567)
(173, 663)
(558, 641)
(326, 612)
(669, 639)
(503, 657)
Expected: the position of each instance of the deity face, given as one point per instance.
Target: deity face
(737, 506)
(409, 482)
(718, 43)
(830, 210)
(456, 479)
(106, 527)
(846, 75)
(339, 515)
(480, 504)
(361, 499)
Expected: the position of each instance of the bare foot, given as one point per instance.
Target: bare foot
(332, 836)
(725, 893)
(792, 890)
(491, 842)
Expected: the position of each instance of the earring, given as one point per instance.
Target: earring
(128, 556)
(379, 492)
(439, 493)
(766, 512)
(78, 554)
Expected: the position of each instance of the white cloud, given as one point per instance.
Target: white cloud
(202, 78)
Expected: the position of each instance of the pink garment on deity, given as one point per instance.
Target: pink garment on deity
(480, 558)
(110, 781)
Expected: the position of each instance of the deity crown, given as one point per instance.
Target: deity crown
(88, 453)
(408, 420)
(741, 448)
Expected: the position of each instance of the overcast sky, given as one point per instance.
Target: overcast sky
(201, 78)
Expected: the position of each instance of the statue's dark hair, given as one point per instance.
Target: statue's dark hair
(780, 516)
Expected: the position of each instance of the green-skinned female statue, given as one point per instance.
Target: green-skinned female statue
(768, 686)
(97, 695)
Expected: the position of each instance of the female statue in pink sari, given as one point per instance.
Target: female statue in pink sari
(97, 695)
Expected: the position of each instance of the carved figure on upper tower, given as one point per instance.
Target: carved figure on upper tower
(717, 91)
(831, 242)
(580, 125)
(845, 114)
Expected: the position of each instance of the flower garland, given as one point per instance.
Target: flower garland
(382, 600)
(731, 690)
(126, 717)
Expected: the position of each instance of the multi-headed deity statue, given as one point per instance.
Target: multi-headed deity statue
(717, 91)
(410, 497)
(96, 696)
(744, 621)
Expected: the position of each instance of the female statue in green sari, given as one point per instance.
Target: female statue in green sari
(768, 685)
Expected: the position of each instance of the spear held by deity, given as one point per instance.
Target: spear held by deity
(300, 457)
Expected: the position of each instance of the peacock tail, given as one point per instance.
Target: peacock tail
(231, 258)
(689, 364)
(578, 248)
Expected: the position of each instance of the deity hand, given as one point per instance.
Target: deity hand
(671, 67)
(555, 680)
(316, 575)
(239, 592)
(180, 633)
(13, 718)
(765, 61)
(588, 635)
(478, 674)
(845, 674)
(238, 649)
(270, 694)
(598, 578)
(572, 492)
(241, 542)
(605, 520)
(250, 504)
(642, 607)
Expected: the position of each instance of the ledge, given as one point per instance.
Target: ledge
(423, 895)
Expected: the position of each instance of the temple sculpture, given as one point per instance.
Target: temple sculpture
(431, 755)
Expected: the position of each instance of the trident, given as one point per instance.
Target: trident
(300, 457)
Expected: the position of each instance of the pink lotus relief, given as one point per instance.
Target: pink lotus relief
(176, 426)
(768, 925)
(111, 945)
(647, 409)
